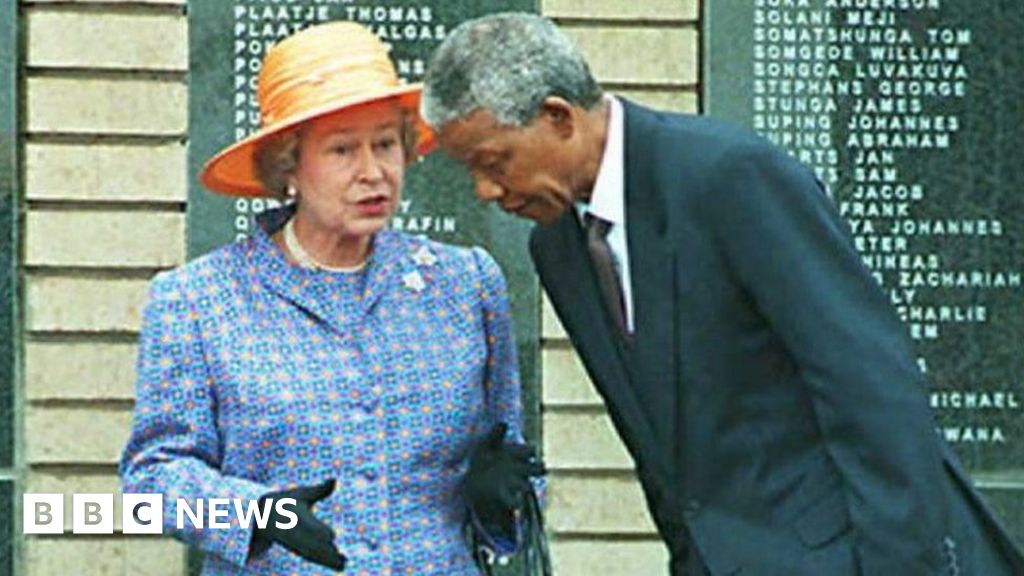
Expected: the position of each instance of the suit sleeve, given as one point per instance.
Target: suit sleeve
(174, 448)
(790, 250)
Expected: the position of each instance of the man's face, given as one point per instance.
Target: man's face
(529, 171)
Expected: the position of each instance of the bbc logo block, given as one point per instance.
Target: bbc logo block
(142, 513)
(43, 513)
(92, 513)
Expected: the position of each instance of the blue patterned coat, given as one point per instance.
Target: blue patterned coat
(256, 375)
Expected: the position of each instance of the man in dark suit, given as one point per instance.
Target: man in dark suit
(756, 372)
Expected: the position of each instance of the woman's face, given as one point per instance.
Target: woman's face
(350, 168)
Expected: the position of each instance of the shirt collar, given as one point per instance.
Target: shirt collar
(607, 198)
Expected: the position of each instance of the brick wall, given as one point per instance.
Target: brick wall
(106, 106)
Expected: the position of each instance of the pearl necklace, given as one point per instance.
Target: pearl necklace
(305, 260)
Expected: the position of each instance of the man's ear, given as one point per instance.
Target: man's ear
(559, 114)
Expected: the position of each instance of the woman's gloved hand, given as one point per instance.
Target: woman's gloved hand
(498, 477)
(310, 538)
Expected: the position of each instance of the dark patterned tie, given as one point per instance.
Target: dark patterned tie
(607, 268)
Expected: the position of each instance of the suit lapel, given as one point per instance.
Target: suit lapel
(560, 255)
(636, 397)
(652, 265)
(565, 268)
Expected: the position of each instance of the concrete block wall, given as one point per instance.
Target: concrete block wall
(105, 184)
(104, 165)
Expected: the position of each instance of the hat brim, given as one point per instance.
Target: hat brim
(232, 171)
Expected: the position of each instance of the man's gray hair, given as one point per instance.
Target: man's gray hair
(506, 64)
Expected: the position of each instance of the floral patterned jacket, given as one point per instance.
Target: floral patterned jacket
(256, 375)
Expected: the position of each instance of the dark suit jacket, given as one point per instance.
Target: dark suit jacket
(770, 397)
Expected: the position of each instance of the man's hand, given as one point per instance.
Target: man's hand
(498, 477)
(310, 538)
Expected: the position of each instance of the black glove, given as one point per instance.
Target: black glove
(498, 477)
(310, 538)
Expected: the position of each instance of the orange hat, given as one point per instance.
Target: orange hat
(320, 70)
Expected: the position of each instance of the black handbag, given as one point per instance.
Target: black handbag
(532, 558)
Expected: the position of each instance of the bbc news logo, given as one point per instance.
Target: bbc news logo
(144, 513)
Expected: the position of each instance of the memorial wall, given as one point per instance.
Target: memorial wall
(910, 112)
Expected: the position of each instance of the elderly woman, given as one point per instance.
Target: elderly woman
(326, 359)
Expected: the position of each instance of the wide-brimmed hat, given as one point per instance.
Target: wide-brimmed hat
(318, 71)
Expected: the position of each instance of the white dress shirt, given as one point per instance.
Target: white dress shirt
(608, 199)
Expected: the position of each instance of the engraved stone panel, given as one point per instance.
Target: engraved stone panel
(909, 111)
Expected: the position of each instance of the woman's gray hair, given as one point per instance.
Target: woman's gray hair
(506, 64)
(277, 157)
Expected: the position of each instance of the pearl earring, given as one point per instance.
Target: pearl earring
(291, 191)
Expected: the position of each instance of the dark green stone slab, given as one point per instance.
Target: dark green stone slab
(10, 47)
(911, 115)
(7, 525)
(9, 202)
